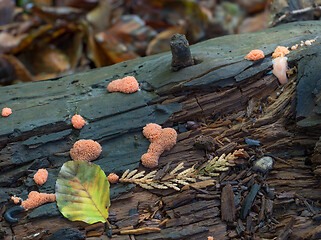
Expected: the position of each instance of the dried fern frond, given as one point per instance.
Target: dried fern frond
(187, 171)
(217, 164)
(132, 173)
(146, 186)
(170, 180)
(150, 175)
(125, 173)
(172, 185)
(179, 176)
(181, 181)
(138, 175)
(158, 185)
(179, 167)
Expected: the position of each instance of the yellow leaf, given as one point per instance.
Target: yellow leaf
(82, 192)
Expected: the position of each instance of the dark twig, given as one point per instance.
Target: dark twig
(296, 12)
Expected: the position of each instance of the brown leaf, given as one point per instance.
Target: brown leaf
(161, 42)
(162, 14)
(49, 60)
(253, 6)
(113, 48)
(72, 46)
(43, 2)
(94, 51)
(84, 4)
(8, 41)
(27, 25)
(99, 17)
(51, 14)
(132, 32)
(29, 39)
(255, 23)
(7, 72)
(44, 76)
(20, 70)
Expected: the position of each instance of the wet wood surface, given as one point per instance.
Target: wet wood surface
(228, 97)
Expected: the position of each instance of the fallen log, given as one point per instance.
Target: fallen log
(220, 86)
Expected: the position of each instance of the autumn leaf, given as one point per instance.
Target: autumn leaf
(82, 192)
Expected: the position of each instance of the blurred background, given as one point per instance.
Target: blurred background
(43, 39)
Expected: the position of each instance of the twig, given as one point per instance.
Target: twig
(140, 231)
(296, 12)
(283, 161)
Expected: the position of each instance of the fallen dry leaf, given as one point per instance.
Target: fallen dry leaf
(21, 72)
(8, 41)
(161, 42)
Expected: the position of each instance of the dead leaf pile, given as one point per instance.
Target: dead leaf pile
(43, 39)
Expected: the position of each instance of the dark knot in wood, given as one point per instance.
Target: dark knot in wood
(181, 54)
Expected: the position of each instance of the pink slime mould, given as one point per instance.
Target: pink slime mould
(85, 150)
(127, 84)
(41, 176)
(36, 199)
(255, 54)
(77, 121)
(161, 140)
(6, 112)
(280, 51)
(113, 178)
(15, 199)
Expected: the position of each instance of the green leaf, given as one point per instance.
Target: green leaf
(82, 192)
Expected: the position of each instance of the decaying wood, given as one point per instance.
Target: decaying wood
(181, 54)
(228, 204)
(287, 230)
(228, 97)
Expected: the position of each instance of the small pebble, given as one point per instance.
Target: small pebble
(264, 164)
(191, 125)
